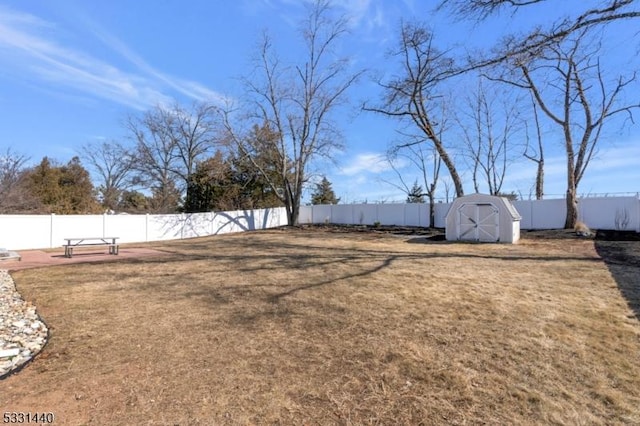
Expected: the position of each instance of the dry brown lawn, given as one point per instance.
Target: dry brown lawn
(316, 327)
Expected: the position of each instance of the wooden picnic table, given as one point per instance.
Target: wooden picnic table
(90, 241)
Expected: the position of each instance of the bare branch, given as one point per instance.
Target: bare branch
(541, 38)
(585, 101)
(413, 94)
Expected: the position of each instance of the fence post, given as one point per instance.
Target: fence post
(638, 215)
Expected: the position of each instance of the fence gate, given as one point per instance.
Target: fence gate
(479, 222)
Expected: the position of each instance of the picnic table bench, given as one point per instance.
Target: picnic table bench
(90, 241)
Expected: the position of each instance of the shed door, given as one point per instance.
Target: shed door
(478, 222)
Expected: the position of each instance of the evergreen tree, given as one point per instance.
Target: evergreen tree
(133, 202)
(254, 188)
(207, 185)
(230, 183)
(323, 193)
(416, 194)
(165, 198)
(78, 192)
(62, 189)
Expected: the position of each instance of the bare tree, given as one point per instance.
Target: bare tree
(113, 166)
(156, 157)
(448, 190)
(539, 41)
(414, 94)
(428, 164)
(568, 84)
(295, 105)
(603, 11)
(595, 14)
(537, 156)
(195, 132)
(482, 9)
(13, 195)
(169, 142)
(488, 126)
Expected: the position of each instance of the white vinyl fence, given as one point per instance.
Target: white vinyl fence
(21, 232)
(621, 213)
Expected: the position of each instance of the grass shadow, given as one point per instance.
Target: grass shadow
(623, 261)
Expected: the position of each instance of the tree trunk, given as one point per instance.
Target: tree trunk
(572, 209)
(288, 206)
(292, 202)
(572, 184)
(432, 211)
(289, 215)
(540, 180)
(294, 219)
(453, 172)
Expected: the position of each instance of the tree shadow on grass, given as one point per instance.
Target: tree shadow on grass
(253, 258)
(248, 291)
(623, 261)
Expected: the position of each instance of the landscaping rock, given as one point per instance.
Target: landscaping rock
(22, 333)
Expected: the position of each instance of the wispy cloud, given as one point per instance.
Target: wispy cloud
(28, 47)
(366, 162)
(369, 14)
(34, 47)
(616, 158)
(188, 88)
(357, 10)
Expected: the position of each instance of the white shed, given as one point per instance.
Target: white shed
(485, 218)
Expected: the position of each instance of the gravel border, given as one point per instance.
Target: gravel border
(23, 334)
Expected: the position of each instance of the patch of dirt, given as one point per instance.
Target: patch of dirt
(609, 235)
(600, 235)
(551, 234)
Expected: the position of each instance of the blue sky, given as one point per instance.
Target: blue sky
(72, 70)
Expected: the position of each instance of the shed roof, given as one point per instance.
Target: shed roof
(478, 198)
